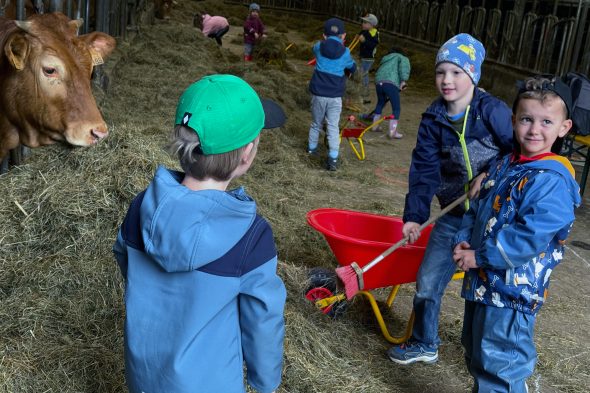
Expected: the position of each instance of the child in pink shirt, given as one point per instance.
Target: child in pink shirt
(212, 26)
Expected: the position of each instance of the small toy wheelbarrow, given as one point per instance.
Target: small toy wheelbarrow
(354, 130)
(358, 237)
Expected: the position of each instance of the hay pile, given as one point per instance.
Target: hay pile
(61, 295)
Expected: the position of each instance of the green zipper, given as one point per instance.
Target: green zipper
(465, 154)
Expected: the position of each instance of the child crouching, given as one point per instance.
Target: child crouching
(512, 239)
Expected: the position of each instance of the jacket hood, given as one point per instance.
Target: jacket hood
(563, 167)
(184, 229)
(332, 48)
(388, 58)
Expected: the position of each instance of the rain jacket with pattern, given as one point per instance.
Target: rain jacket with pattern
(517, 228)
(202, 295)
(333, 61)
(438, 164)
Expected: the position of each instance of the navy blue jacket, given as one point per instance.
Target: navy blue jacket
(438, 166)
(332, 60)
(202, 296)
(368, 48)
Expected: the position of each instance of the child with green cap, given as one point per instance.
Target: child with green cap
(202, 295)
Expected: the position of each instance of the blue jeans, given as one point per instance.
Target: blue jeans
(388, 91)
(366, 65)
(499, 348)
(248, 48)
(434, 275)
(329, 109)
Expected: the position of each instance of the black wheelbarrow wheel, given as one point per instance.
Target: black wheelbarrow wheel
(323, 283)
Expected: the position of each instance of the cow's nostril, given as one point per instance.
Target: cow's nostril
(97, 134)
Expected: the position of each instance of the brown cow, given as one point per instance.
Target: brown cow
(45, 92)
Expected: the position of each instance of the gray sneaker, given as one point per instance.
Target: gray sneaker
(412, 352)
(331, 164)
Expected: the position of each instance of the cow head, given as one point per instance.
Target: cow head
(50, 68)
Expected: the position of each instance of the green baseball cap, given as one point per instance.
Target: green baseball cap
(226, 113)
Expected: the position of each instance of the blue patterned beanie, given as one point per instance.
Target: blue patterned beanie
(465, 52)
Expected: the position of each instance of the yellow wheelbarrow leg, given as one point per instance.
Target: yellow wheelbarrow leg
(381, 322)
(360, 153)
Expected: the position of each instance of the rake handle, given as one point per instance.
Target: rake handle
(403, 241)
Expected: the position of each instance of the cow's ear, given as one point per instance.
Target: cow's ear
(101, 43)
(76, 24)
(17, 50)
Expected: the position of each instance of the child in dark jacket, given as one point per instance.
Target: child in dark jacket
(460, 134)
(369, 39)
(202, 297)
(512, 238)
(253, 30)
(327, 86)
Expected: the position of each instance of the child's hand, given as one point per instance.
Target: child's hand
(361, 38)
(475, 186)
(256, 35)
(411, 230)
(463, 257)
(403, 85)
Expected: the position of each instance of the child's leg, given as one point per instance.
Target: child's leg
(434, 274)
(381, 98)
(220, 34)
(467, 337)
(248, 51)
(504, 354)
(333, 110)
(365, 67)
(318, 113)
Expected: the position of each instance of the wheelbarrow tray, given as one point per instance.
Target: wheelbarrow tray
(359, 237)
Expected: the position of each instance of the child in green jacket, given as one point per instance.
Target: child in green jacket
(391, 77)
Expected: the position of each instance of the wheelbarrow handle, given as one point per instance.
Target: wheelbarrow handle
(403, 241)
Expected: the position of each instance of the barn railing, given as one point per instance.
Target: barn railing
(541, 36)
(114, 17)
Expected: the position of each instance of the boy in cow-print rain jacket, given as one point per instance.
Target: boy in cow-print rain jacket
(512, 238)
(202, 295)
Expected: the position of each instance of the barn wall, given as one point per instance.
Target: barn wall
(530, 36)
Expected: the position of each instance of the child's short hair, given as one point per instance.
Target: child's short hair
(216, 117)
(543, 87)
(187, 146)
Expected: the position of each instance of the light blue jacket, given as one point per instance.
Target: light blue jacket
(201, 292)
(333, 62)
(517, 228)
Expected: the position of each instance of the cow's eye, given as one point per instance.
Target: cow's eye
(50, 71)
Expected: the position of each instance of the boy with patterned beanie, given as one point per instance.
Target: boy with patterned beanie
(460, 135)
(202, 295)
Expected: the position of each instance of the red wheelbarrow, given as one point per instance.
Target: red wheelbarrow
(359, 237)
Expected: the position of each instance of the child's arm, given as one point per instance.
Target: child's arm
(424, 177)
(262, 302)
(546, 208)
(349, 63)
(500, 124)
(404, 70)
(120, 251)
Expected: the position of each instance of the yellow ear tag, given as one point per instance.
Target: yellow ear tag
(96, 57)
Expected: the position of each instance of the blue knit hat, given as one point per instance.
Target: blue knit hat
(333, 26)
(464, 51)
